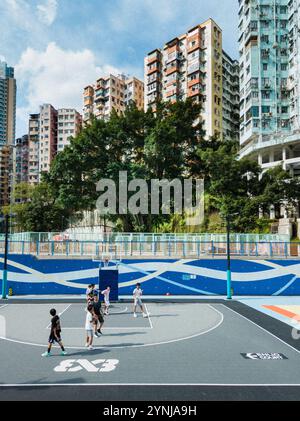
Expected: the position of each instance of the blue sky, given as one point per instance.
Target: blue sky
(60, 46)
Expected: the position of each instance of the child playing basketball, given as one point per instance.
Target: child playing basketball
(106, 293)
(55, 334)
(99, 320)
(89, 327)
(137, 301)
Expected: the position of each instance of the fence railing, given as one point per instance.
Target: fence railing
(167, 249)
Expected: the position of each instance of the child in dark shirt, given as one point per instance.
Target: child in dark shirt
(55, 334)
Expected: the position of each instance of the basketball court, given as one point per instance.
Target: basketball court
(189, 350)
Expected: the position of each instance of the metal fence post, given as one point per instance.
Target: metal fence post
(271, 250)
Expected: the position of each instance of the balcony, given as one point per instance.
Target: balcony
(172, 69)
(153, 69)
(152, 58)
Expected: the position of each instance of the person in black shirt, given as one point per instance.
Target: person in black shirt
(55, 334)
(98, 313)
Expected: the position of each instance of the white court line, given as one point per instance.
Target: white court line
(5, 305)
(260, 327)
(109, 328)
(60, 314)
(129, 346)
(151, 384)
(119, 312)
(148, 314)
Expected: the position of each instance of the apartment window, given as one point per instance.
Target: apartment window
(265, 66)
(265, 94)
(283, 24)
(265, 24)
(283, 10)
(255, 111)
(265, 109)
(265, 38)
(193, 77)
(284, 66)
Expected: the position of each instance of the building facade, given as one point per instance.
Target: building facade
(8, 89)
(22, 158)
(231, 98)
(49, 133)
(112, 92)
(269, 47)
(47, 137)
(134, 92)
(191, 66)
(69, 124)
(5, 153)
(33, 145)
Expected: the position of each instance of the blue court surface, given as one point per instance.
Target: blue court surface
(186, 349)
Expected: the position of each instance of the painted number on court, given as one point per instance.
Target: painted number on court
(264, 356)
(96, 366)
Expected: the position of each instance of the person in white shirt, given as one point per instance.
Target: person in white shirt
(89, 327)
(137, 301)
(106, 293)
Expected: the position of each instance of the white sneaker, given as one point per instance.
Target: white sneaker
(134, 315)
(145, 315)
(86, 345)
(91, 348)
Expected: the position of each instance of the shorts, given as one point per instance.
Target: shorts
(100, 318)
(107, 303)
(52, 338)
(90, 333)
(138, 301)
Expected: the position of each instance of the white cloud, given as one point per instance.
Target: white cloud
(24, 14)
(56, 76)
(47, 11)
(20, 12)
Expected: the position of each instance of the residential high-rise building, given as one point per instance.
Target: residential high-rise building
(231, 98)
(134, 92)
(112, 92)
(4, 175)
(33, 146)
(48, 136)
(269, 47)
(69, 124)
(49, 133)
(22, 155)
(8, 89)
(191, 66)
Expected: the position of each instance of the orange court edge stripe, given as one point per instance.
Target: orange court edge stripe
(282, 311)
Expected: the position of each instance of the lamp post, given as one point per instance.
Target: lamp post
(4, 279)
(228, 217)
(229, 290)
